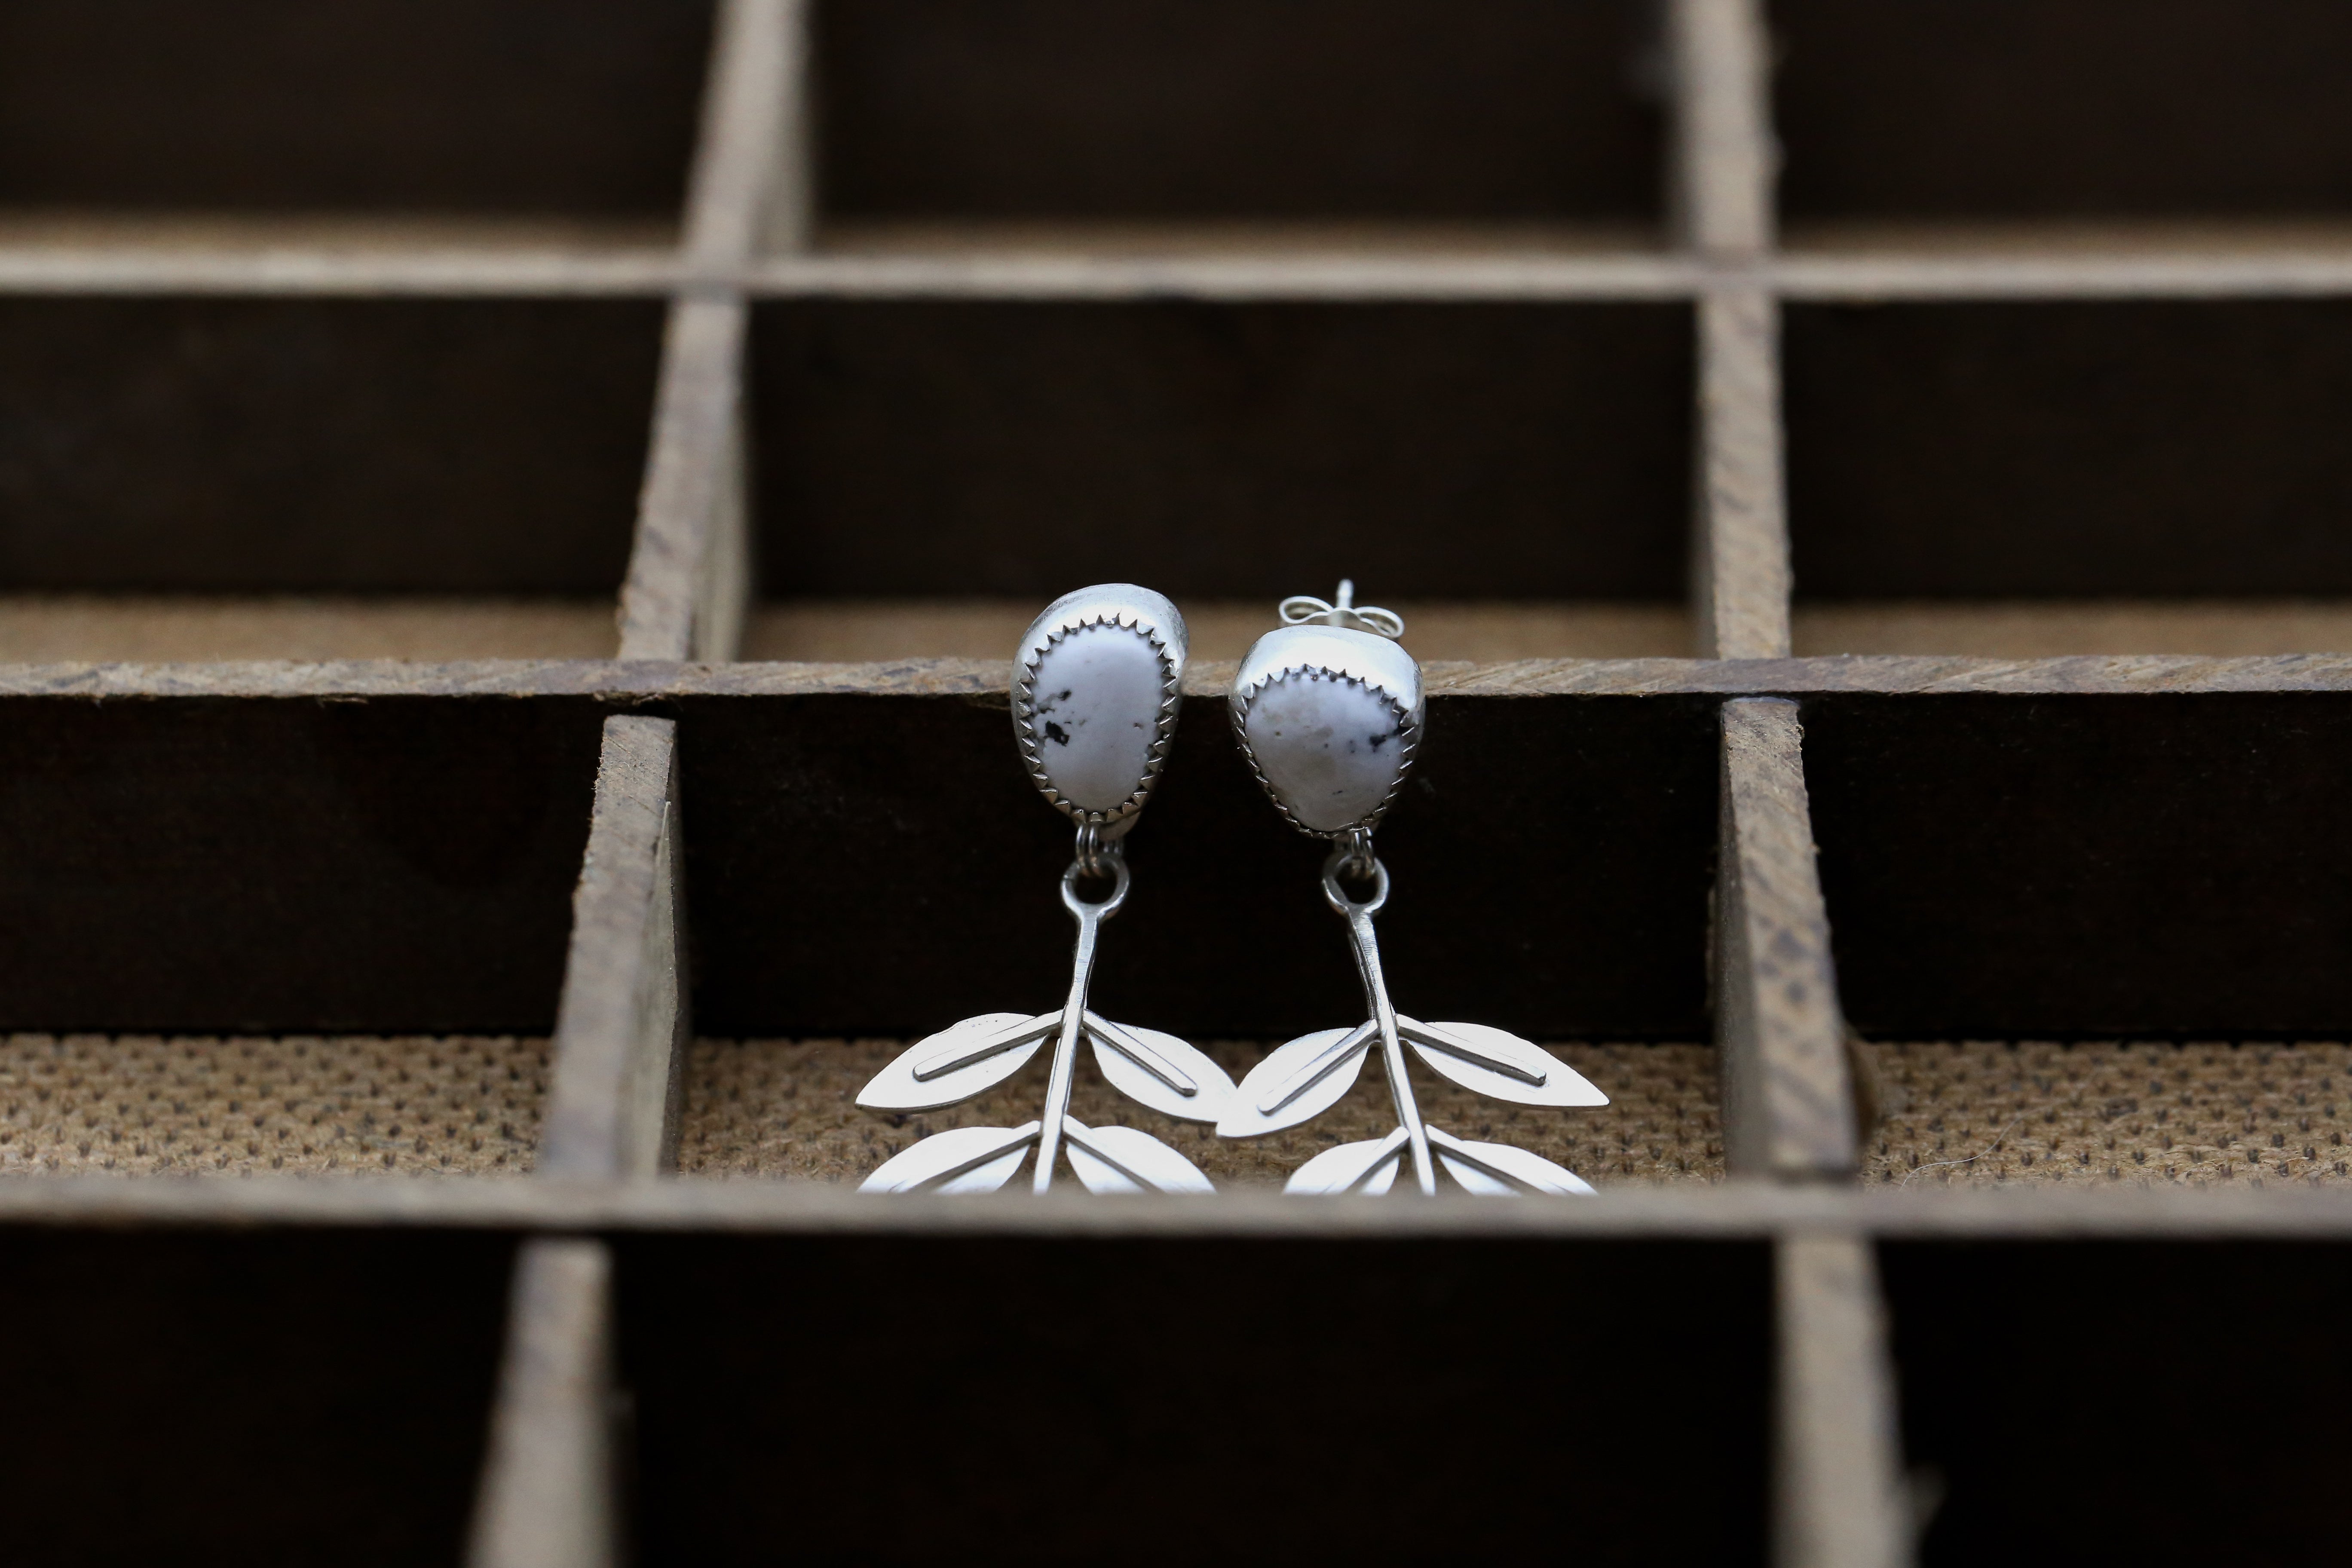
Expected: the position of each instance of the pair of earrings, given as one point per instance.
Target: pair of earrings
(1328, 712)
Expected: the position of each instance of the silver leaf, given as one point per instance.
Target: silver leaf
(961, 1160)
(1371, 1166)
(1497, 1169)
(1498, 1065)
(1147, 1066)
(1299, 1081)
(1128, 1160)
(991, 1048)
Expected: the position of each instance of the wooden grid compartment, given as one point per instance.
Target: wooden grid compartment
(945, 309)
(469, 463)
(512, 108)
(1976, 110)
(1385, 112)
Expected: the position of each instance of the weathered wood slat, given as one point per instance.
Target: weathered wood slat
(1740, 554)
(641, 682)
(1787, 1102)
(1838, 1498)
(2057, 269)
(611, 1108)
(692, 487)
(742, 171)
(1721, 188)
(546, 1498)
(549, 1487)
(1751, 1210)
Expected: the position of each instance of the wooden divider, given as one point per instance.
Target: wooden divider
(1788, 1107)
(549, 1489)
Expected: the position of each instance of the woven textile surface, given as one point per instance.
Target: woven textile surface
(1981, 1114)
(143, 1105)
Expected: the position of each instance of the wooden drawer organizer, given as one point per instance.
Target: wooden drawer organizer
(936, 301)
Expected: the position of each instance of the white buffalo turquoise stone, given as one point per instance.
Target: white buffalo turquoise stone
(1330, 749)
(1097, 697)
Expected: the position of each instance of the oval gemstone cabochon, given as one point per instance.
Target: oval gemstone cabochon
(1331, 749)
(1097, 693)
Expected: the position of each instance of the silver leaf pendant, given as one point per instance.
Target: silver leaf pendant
(1329, 712)
(1095, 692)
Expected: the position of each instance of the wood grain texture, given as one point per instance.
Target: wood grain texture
(1838, 1499)
(1220, 630)
(42, 629)
(1740, 554)
(611, 1108)
(2005, 109)
(647, 682)
(1960, 452)
(691, 485)
(1722, 184)
(1787, 1097)
(1751, 1210)
(750, 107)
(511, 106)
(550, 1488)
(2058, 267)
(286, 445)
(292, 265)
(546, 1498)
(219, 866)
(1227, 449)
(1221, 108)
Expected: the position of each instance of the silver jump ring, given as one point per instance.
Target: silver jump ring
(1108, 907)
(1334, 895)
(1096, 855)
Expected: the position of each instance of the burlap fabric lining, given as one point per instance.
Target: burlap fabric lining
(1983, 1114)
(787, 1108)
(143, 1105)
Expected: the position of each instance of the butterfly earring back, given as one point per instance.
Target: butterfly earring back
(1330, 711)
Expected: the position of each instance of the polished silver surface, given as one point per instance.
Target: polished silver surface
(960, 1061)
(1339, 643)
(1117, 608)
(1298, 1080)
(1498, 1169)
(1367, 1167)
(1500, 1065)
(1155, 1069)
(1093, 737)
(1341, 610)
(961, 1160)
(1159, 1071)
(1125, 1160)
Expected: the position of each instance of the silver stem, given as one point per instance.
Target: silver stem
(1090, 917)
(1351, 854)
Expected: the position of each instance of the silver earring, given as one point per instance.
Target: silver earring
(1328, 710)
(1095, 700)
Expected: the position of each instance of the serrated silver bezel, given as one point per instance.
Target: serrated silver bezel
(1257, 673)
(1123, 605)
